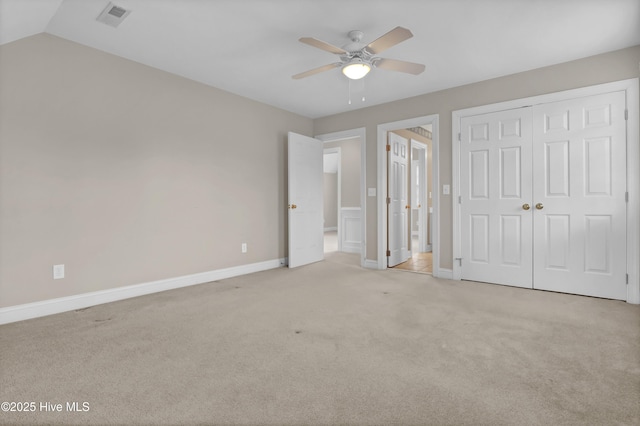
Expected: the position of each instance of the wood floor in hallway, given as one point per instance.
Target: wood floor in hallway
(419, 262)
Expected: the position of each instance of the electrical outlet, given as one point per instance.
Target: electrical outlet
(244, 247)
(58, 272)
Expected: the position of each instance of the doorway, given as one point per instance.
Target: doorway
(420, 137)
(409, 191)
(345, 171)
(332, 197)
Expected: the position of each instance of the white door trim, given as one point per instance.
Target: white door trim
(382, 186)
(362, 134)
(631, 87)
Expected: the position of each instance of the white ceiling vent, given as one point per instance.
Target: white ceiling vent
(113, 15)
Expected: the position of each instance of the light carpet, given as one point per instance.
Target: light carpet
(330, 344)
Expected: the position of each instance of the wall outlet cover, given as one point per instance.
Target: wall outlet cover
(58, 272)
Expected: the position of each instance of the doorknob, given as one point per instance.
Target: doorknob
(526, 206)
(293, 206)
(407, 206)
(539, 206)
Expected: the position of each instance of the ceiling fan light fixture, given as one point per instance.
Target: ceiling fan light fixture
(356, 69)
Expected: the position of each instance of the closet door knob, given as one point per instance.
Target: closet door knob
(526, 206)
(539, 206)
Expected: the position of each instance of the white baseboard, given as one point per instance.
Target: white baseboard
(79, 301)
(443, 273)
(370, 264)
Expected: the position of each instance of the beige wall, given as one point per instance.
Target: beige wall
(127, 174)
(613, 66)
(330, 200)
(349, 170)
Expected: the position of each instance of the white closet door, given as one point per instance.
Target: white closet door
(579, 156)
(398, 194)
(495, 188)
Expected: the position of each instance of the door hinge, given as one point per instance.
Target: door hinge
(388, 200)
(459, 137)
(388, 253)
(626, 114)
(388, 148)
(627, 278)
(459, 259)
(626, 196)
(459, 199)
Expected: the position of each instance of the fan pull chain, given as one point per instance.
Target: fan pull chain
(363, 90)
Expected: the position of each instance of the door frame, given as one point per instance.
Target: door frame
(383, 129)
(350, 134)
(631, 89)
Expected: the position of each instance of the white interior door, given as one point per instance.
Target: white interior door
(495, 190)
(579, 195)
(306, 228)
(398, 205)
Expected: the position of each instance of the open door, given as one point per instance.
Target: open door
(398, 206)
(306, 228)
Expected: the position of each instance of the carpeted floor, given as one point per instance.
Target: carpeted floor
(327, 344)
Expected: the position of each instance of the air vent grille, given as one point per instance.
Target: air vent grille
(113, 15)
(116, 11)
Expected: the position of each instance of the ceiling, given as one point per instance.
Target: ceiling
(251, 47)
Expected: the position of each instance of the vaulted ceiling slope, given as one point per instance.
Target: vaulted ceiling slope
(251, 47)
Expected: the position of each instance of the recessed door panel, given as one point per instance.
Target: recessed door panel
(597, 166)
(480, 238)
(597, 116)
(510, 128)
(556, 168)
(511, 240)
(557, 235)
(479, 176)
(510, 172)
(556, 121)
(597, 244)
(479, 132)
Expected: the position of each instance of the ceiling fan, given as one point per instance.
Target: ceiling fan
(357, 59)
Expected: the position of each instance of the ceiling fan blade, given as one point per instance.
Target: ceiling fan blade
(390, 39)
(316, 70)
(402, 66)
(323, 45)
